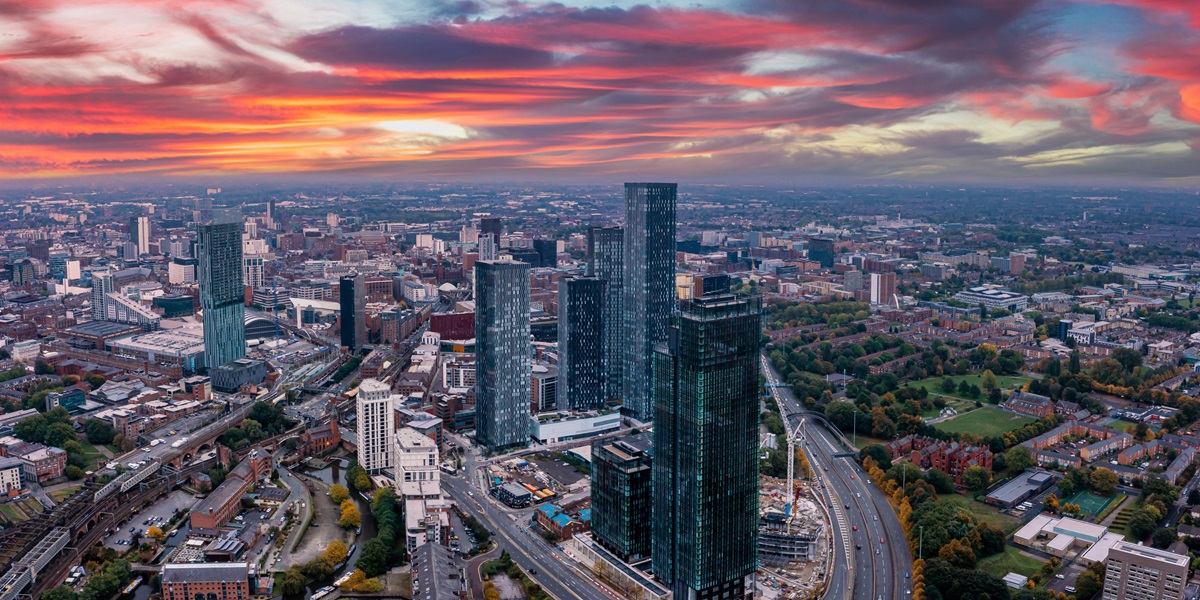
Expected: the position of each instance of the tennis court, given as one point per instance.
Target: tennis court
(1089, 502)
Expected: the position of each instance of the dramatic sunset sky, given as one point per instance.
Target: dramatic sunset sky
(1019, 90)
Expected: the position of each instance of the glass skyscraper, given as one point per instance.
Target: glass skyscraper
(606, 261)
(705, 472)
(502, 353)
(352, 296)
(219, 252)
(581, 343)
(621, 498)
(648, 287)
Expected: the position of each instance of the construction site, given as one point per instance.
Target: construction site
(793, 538)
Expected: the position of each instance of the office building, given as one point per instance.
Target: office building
(219, 252)
(502, 353)
(621, 498)
(822, 251)
(352, 295)
(376, 425)
(581, 343)
(705, 471)
(606, 261)
(139, 234)
(1134, 572)
(489, 246)
(547, 251)
(648, 287)
(490, 226)
(883, 288)
(252, 271)
(181, 271)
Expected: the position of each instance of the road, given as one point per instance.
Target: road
(545, 564)
(879, 566)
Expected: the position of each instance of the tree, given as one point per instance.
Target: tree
(61, 592)
(351, 518)
(948, 386)
(1018, 458)
(42, 367)
(1051, 503)
(1104, 481)
(1073, 364)
(155, 533)
(335, 553)
(373, 560)
(1087, 584)
(958, 554)
(99, 432)
(338, 493)
(976, 478)
(292, 582)
(991, 539)
(73, 472)
(1164, 537)
(989, 380)
(59, 434)
(1142, 523)
(941, 481)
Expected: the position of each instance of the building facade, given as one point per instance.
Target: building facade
(581, 349)
(1135, 572)
(621, 498)
(606, 262)
(352, 296)
(376, 425)
(502, 364)
(139, 234)
(222, 297)
(705, 471)
(648, 288)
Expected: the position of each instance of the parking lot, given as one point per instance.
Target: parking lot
(158, 514)
(1069, 573)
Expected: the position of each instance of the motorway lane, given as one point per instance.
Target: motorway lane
(874, 575)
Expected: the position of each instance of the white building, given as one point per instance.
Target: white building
(562, 427)
(376, 426)
(416, 458)
(140, 236)
(27, 350)
(252, 270)
(181, 271)
(10, 474)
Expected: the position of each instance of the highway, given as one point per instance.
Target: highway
(561, 580)
(879, 566)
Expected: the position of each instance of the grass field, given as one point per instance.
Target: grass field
(94, 457)
(982, 512)
(1089, 502)
(988, 421)
(1010, 561)
(960, 405)
(63, 494)
(934, 384)
(12, 514)
(1120, 425)
(863, 440)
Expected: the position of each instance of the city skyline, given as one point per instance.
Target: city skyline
(780, 91)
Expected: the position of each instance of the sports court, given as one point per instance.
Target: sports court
(1089, 502)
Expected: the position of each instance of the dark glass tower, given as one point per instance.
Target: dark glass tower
(547, 251)
(822, 250)
(705, 472)
(621, 497)
(581, 343)
(219, 252)
(352, 296)
(502, 353)
(648, 287)
(606, 261)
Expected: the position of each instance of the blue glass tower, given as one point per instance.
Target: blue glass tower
(606, 261)
(219, 252)
(648, 287)
(502, 353)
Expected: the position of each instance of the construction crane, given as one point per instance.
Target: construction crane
(791, 481)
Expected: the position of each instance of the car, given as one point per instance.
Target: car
(907, 574)
(877, 551)
(858, 546)
(857, 495)
(826, 469)
(1069, 590)
(854, 527)
(533, 571)
(880, 540)
(852, 476)
(1059, 576)
(874, 517)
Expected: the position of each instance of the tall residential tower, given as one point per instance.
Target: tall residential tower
(581, 343)
(606, 261)
(222, 297)
(648, 287)
(705, 471)
(352, 296)
(376, 425)
(502, 353)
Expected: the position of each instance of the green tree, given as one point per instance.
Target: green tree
(1087, 584)
(976, 478)
(61, 592)
(1142, 523)
(1018, 458)
(1073, 364)
(42, 367)
(373, 560)
(292, 582)
(1104, 481)
(1164, 536)
(99, 432)
(958, 554)
(941, 481)
(989, 380)
(59, 434)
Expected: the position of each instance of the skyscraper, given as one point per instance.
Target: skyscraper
(102, 284)
(648, 287)
(883, 287)
(271, 213)
(252, 270)
(376, 425)
(705, 473)
(621, 495)
(219, 252)
(606, 261)
(821, 250)
(547, 251)
(488, 246)
(581, 343)
(352, 293)
(139, 234)
(502, 353)
(491, 225)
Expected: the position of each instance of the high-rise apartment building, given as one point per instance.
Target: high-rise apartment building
(491, 226)
(705, 472)
(252, 270)
(1134, 572)
(416, 461)
(606, 261)
(352, 296)
(581, 343)
(181, 271)
(883, 288)
(102, 285)
(648, 287)
(547, 251)
(139, 234)
(376, 425)
(502, 350)
(821, 250)
(219, 254)
(489, 246)
(621, 495)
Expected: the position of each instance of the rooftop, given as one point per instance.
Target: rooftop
(200, 572)
(1153, 553)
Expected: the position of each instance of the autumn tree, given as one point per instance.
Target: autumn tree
(350, 518)
(338, 493)
(1104, 481)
